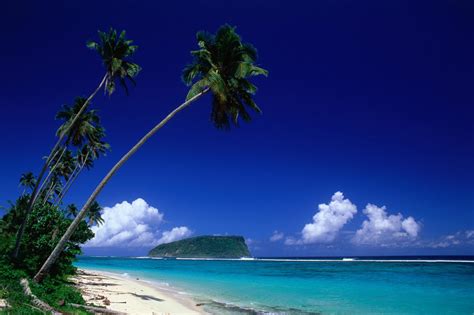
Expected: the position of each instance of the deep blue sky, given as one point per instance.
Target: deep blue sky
(372, 98)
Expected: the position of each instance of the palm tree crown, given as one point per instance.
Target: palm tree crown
(223, 63)
(94, 215)
(86, 127)
(28, 180)
(115, 49)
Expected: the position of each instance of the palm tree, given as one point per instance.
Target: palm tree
(85, 159)
(115, 49)
(27, 180)
(71, 210)
(94, 216)
(115, 52)
(63, 169)
(222, 65)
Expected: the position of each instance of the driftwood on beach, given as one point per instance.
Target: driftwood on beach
(97, 310)
(47, 308)
(34, 299)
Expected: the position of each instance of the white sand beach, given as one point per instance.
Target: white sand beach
(130, 296)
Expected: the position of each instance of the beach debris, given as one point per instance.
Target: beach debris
(98, 310)
(4, 304)
(106, 301)
(34, 299)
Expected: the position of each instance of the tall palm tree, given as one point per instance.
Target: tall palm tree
(94, 216)
(63, 169)
(71, 211)
(222, 65)
(85, 159)
(115, 52)
(86, 129)
(27, 180)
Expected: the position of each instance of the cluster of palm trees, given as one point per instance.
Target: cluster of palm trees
(115, 50)
(222, 66)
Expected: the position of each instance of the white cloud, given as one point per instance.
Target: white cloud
(132, 225)
(292, 241)
(458, 238)
(276, 236)
(175, 234)
(327, 222)
(383, 229)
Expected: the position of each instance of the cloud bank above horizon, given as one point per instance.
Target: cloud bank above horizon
(133, 224)
(379, 229)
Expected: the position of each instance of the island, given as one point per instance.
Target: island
(203, 247)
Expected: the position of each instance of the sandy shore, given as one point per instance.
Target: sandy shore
(130, 296)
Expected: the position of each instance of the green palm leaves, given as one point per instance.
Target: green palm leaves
(86, 128)
(115, 50)
(28, 180)
(224, 64)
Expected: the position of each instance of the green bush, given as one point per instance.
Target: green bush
(45, 226)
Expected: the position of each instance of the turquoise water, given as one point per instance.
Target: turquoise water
(315, 287)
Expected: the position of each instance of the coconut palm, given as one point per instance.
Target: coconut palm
(85, 126)
(85, 159)
(115, 49)
(63, 169)
(94, 216)
(71, 211)
(222, 65)
(27, 180)
(115, 52)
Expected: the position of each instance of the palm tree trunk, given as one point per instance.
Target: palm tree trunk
(72, 179)
(65, 238)
(50, 191)
(52, 171)
(34, 194)
(68, 184)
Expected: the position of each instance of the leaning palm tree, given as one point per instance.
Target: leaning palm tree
(85, 159)
(84, 129)
(94, 216)
(115, 51)
(27, 180)
(222, 65)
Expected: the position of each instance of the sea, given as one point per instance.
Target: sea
(319, 285)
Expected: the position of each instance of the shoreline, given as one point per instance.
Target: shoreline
(130, 296)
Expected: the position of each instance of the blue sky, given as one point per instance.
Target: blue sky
(372, 99)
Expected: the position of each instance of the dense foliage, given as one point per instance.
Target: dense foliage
(43, 230)
(204, 247)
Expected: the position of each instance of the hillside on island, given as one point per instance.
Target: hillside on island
(204, 247)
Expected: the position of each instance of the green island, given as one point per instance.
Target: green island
(204, 247)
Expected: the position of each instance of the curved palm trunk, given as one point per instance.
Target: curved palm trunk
(68, 184)
(65, 238)
(51, 171)
(35, 192)
(72, 179)
(50, 192)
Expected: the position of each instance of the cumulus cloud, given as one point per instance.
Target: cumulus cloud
(458, 238)
(327, 222)
(132, 225)
(469, 234)
(276, 236)
(175, 234)
(383, 229)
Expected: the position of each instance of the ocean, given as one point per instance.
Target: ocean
(366, 285)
